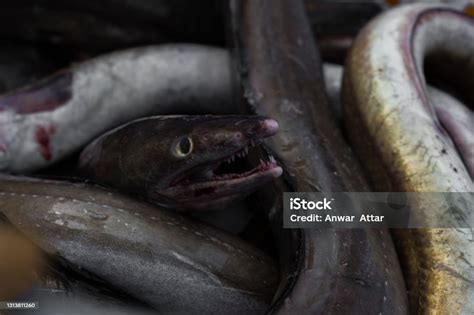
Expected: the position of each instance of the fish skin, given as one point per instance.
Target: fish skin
(405, 147)
(77, 301)
(281, 77)
(158, 257)
(449, 110)
(458, 120)
(139, 157)
(79, 104)
(29, 274)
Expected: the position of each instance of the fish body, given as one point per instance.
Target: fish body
(449, 110)
(158, 257)
(281, 77)
(47, 121)
(408, 144)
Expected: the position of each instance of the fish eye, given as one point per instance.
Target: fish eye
(183, 147)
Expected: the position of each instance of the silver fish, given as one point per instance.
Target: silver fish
(47, 121)
(158, 257)
(408, 144)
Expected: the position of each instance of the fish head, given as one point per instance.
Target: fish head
(198, 147)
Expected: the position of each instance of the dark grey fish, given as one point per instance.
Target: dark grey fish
(171, 160)
(281, 78)
(45, 122)
(160, 258)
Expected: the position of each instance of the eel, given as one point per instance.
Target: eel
(79, 301)
(449, 110)
(171, 263)
(170, 160)
(409, 145)
(53, 118)
(338, 271)
(28, 274)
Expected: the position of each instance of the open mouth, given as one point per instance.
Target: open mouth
(232, 177)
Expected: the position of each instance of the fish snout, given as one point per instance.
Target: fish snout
(263, 128)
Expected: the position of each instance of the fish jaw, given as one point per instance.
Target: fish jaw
(199, 188)
(219, 190)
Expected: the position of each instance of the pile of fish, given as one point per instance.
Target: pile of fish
(147, 175)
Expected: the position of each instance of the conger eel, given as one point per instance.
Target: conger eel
(447, 106)
(337, 271)
(171, 263)
(172, 160)
(410, 145)
(45, 122)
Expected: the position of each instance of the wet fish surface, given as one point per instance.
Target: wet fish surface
(281, 78)
(47, 121)
(409, 143)
(171, 160)
(448, 109)
(160, 258)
